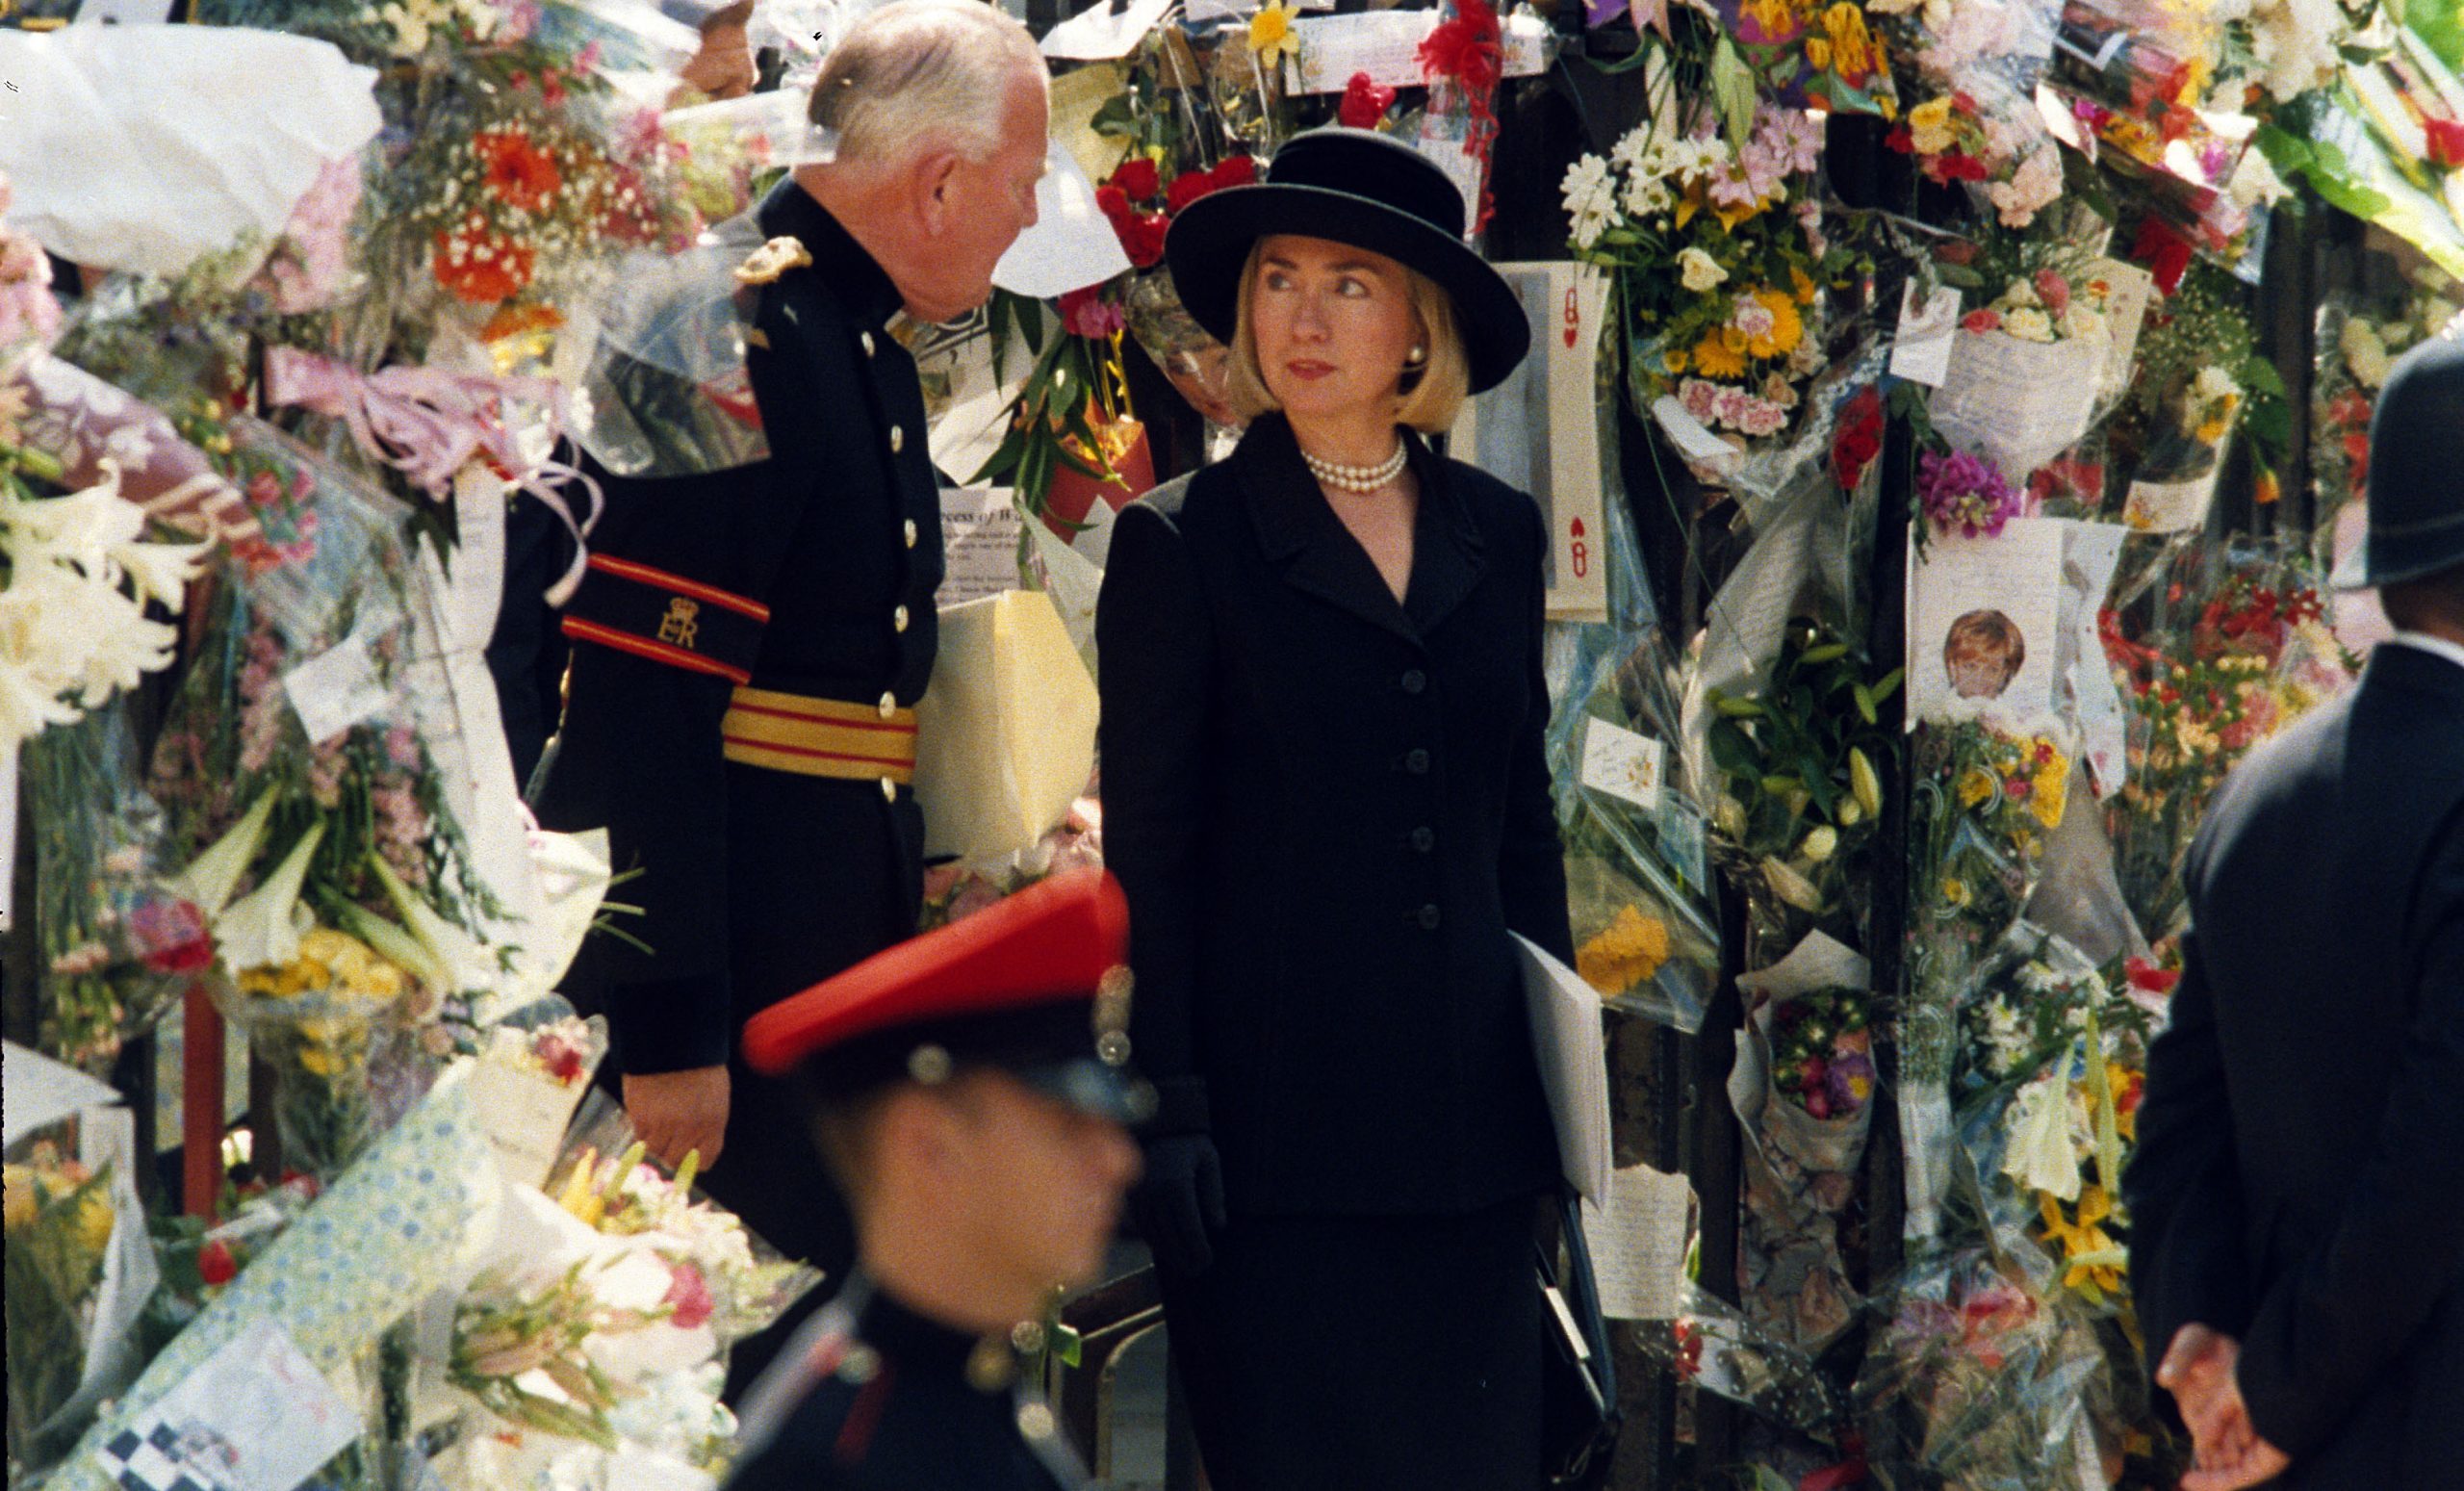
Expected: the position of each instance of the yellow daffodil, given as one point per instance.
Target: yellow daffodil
(1271, 38)
(1629, 951)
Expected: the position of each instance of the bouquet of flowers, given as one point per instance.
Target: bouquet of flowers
(962, 887)
(60, 1219)
(2256, 657)
(1800, 792)
(1991, 1371)
(2029, 359)
(2176, 476)
(1736, 333)
(2356, 352)
(118, 947)
(1990, 139)
(1809, 55)
(293, 762)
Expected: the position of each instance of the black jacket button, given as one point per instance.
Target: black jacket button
(1424, 839)
(1414, 681)
(1427, 917)
(1417, 762)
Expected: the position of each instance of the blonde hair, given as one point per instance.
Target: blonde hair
(1432, 394)
(918, 75)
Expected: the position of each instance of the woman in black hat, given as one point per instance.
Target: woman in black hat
(1326, 798)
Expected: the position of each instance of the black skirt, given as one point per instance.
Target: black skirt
(1358, 1353)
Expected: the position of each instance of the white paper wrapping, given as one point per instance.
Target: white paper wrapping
(1005, 737)
(142, 147)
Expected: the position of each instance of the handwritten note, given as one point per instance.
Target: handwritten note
(1622, 763)
(1922, 351)
(1638, 1244)
(336, 689)
(255, 1416)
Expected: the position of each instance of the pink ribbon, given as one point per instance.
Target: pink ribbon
(428, 423)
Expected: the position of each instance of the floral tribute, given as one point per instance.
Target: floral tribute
(1736, 333)
(1807, 54)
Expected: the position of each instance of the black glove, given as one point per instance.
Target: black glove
(1179, 1201)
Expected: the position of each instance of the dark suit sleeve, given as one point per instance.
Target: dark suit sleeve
(641, 752)
(1531, 864)
(2337, 1325)
(2187, 1258)
(1155, 649)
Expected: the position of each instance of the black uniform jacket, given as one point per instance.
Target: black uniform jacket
(1327, 810)
(809, 572)
(2300, 1180)
(885, 1400)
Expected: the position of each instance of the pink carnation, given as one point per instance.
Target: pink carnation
(688, 1294)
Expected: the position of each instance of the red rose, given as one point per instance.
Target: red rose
(215, 1265)
(1113, 203)
(1983, 320)
(1236, 171)
(1958, 251)
(1364, 103)
(1959, 166)
(1901, 140)
(1187, 187)
(1136, 178)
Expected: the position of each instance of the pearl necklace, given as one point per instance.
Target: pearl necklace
(1358, 478)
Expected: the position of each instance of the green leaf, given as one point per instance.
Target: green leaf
(1731, 748)
(1865, 704)
(1732, 90)
(2259, 375)
(1889, 685)
(1958, 276)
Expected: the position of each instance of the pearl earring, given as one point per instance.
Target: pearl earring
(1418, 355)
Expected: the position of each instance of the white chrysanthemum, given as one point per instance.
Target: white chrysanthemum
(1590, 197)
(2214, 384)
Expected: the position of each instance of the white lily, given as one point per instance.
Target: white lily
(2042, 1155)
(263, 928)
(123, 646)
(212, 876)
(161, 571)
(1790, 886)
(451, 956)
(80, 528)
(27, 706)
(394, 945)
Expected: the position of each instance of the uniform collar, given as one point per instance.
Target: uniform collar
(921, 1344)
(1299, 530)
(851, 273)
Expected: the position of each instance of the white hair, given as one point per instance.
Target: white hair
(918, 75)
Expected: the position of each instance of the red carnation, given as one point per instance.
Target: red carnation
(1187, 187)
(1141, 237)
(1236, 171)
(1467, 50)
(1901, 140)
(215, 1265)
(2164, 251)
(1112, 202)
(2445, 141)
(1960, 166)
(1364, 103)
(1860, 438)
(1136, 178)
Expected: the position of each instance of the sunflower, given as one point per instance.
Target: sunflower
(1714, 358)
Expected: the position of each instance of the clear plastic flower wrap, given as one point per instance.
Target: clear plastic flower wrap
(1646, 925)
(293, 764)
(666, 392)
(117, 948)
(1990, 1374)
(1709, 1344)
(79, 1273)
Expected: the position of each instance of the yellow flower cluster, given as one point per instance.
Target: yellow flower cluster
(2051, 791)
(1845, 46)
(329, 962)
(48, 1179)
(1629, 950)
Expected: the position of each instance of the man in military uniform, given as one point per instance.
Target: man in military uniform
(749, 644)
(977, 1123)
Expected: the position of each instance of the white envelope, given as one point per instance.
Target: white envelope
(1573, 1066)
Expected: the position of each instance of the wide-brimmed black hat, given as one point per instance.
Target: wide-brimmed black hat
(1356, 187)
(2416, 471)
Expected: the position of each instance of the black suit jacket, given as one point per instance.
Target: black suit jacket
(2300, 1176)
(1327, 810)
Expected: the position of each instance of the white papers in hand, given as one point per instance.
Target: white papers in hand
(1574, 1065)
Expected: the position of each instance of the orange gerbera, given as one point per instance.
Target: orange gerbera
(519, 173)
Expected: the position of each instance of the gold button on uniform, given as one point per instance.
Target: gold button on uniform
(889, 791)
(889, 705)
(911, 533)
(897, 440)
(898, 619)
(864, 340)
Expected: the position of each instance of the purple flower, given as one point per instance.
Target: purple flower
(1966, 493)
(1850, 1082)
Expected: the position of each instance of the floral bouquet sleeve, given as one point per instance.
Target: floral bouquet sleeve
(292, 767)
